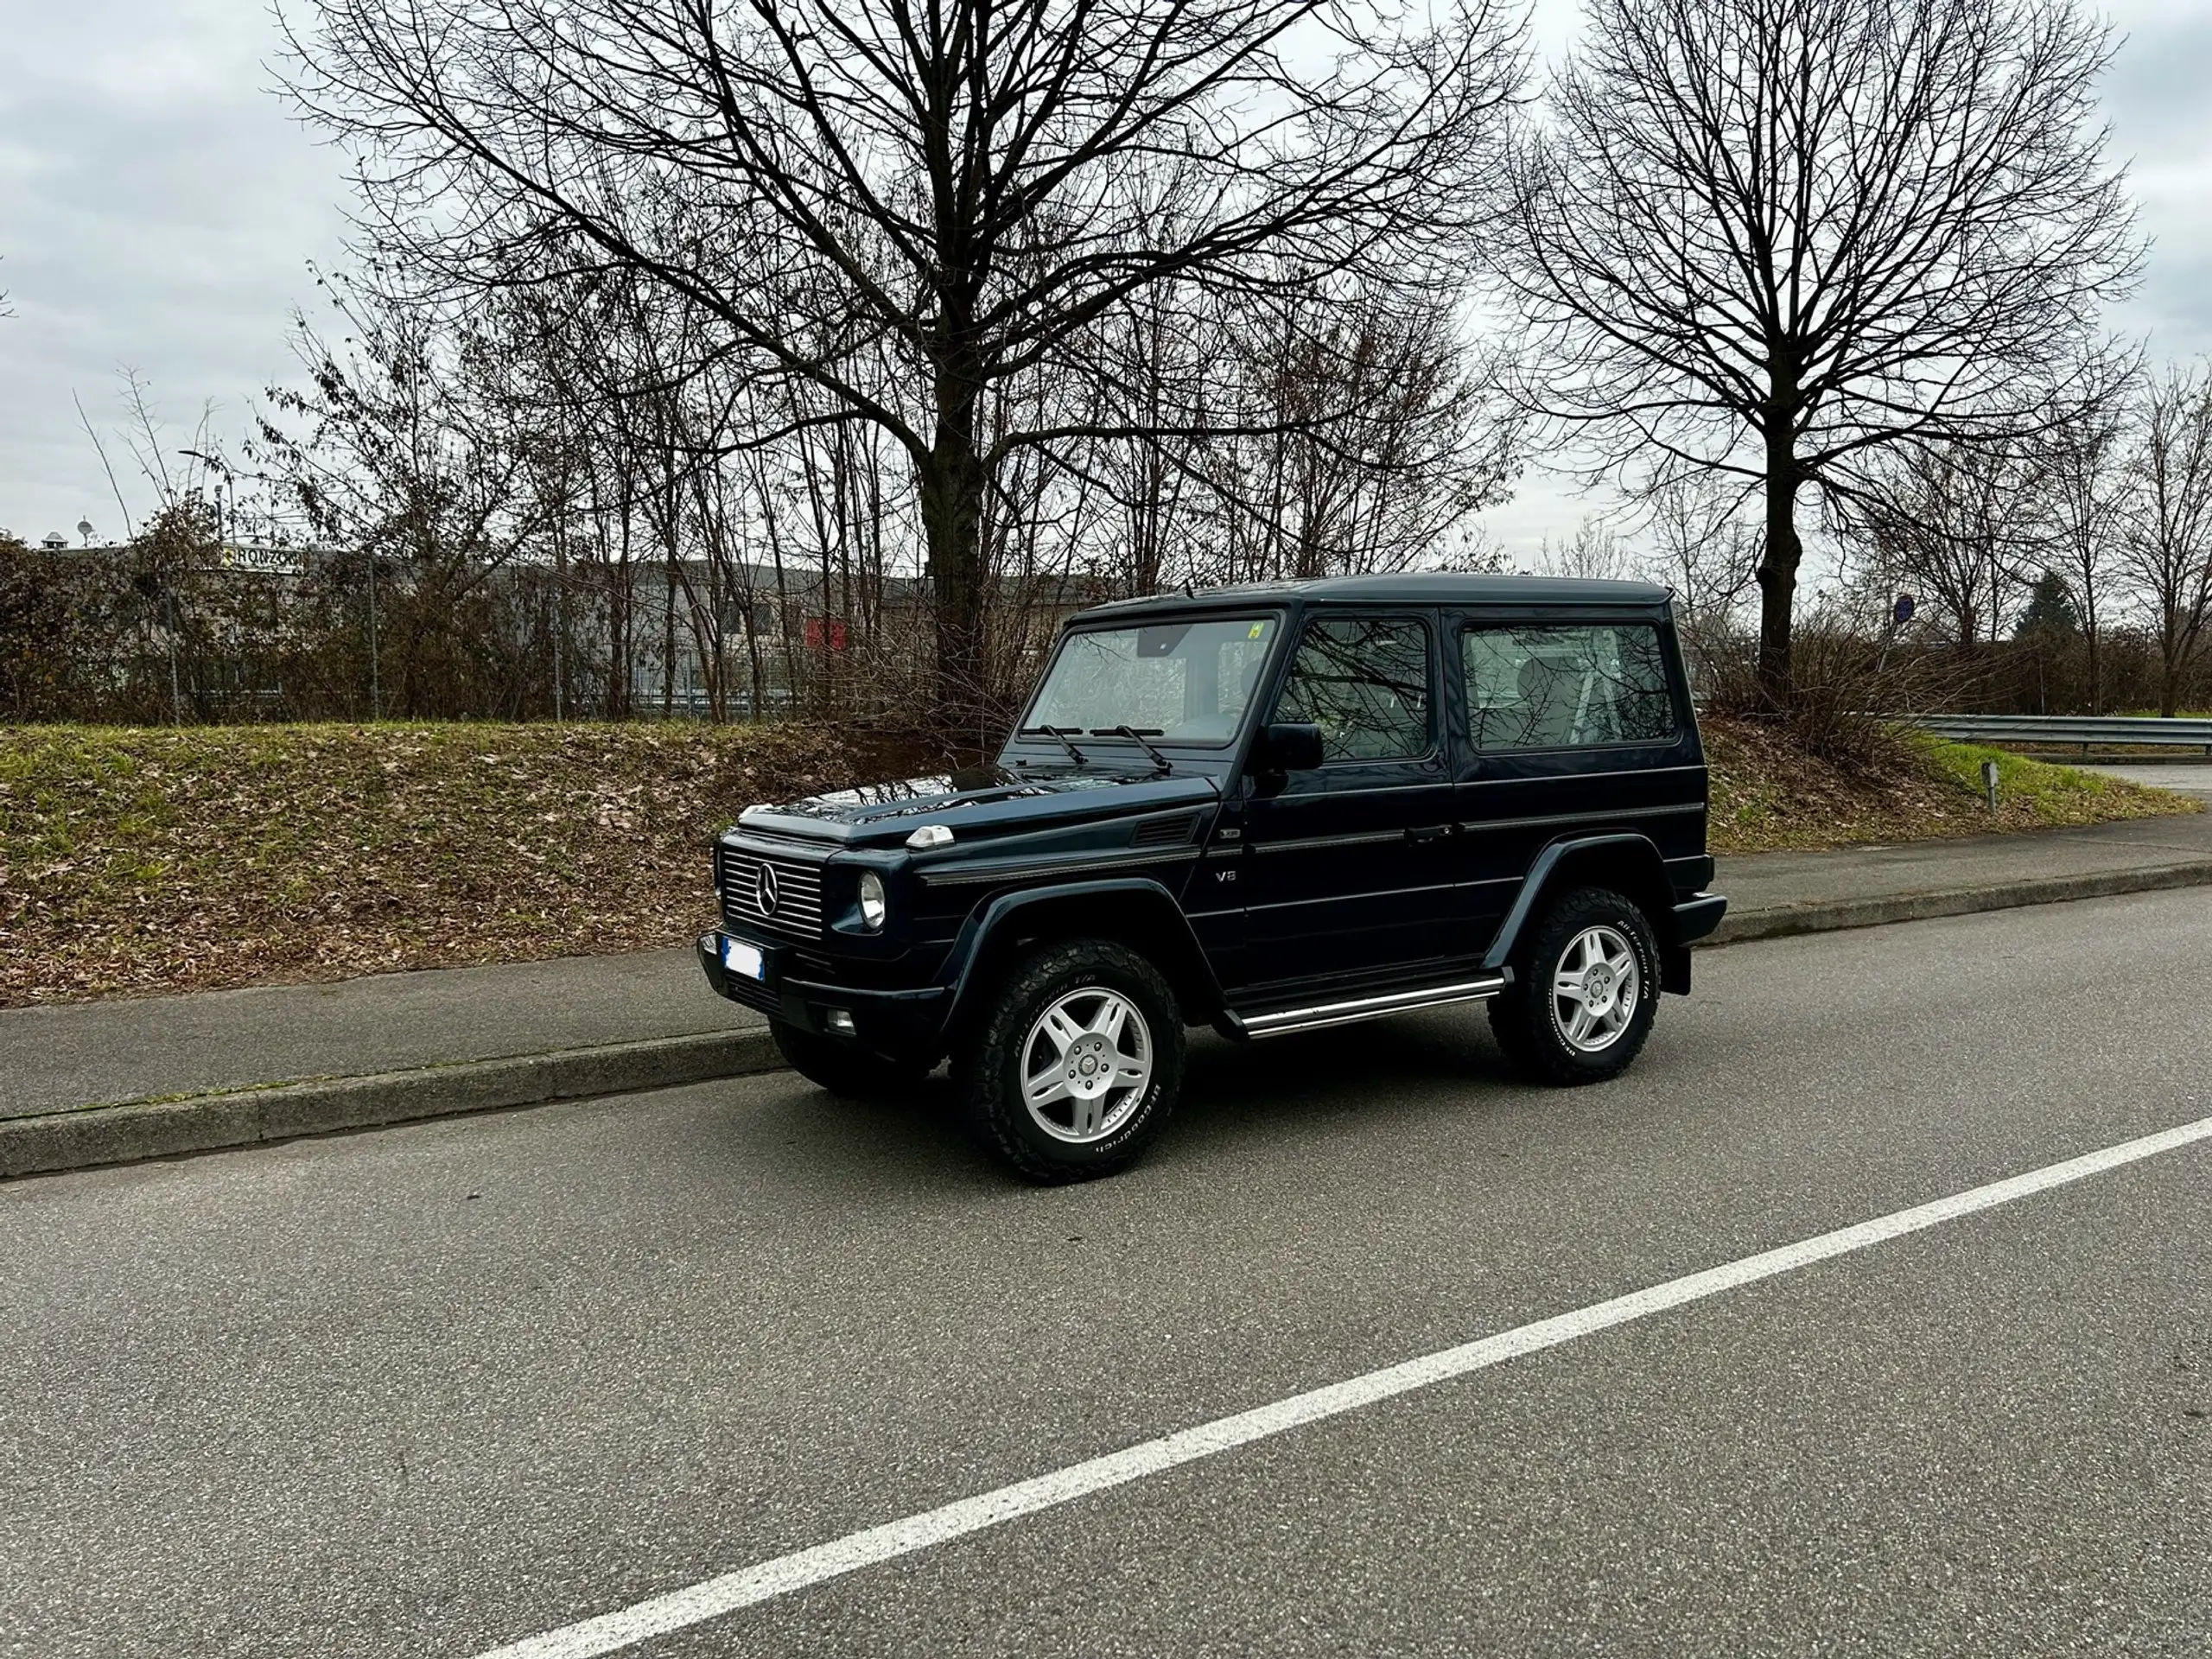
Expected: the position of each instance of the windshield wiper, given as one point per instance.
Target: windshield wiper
(1062, 733)
(1137, 736)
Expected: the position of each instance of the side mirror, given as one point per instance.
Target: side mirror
(1293, 746)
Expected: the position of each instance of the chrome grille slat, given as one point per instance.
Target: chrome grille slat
(799, 892)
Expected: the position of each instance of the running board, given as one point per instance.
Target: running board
(1281, 1020)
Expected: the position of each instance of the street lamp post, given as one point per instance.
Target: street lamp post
(226, 499)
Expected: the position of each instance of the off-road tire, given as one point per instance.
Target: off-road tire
(842, 1067)
(988, 1065)
(1521, 1018)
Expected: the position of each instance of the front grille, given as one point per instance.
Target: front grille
(797, 893)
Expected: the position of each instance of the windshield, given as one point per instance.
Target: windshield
(1173, 682)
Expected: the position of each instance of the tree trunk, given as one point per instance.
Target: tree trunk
(951, 486)
(668, 641)
(1777, 568)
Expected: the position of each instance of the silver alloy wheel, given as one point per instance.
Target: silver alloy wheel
(1085, 1065)
(1595, 989)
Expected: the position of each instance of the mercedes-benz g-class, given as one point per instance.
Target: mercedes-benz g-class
(1268, 809)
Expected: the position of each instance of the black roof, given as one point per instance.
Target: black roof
(1409, 588)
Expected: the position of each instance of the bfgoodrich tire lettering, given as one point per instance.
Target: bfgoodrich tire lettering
(1586, 989)
(1076, 1063)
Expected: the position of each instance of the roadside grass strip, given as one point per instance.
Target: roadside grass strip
(784, 1574)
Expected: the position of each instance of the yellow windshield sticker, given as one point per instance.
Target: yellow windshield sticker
(1258, 628)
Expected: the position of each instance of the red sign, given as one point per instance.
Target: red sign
(824, 633)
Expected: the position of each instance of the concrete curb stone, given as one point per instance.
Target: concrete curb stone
(133, 1131)
(1821, 915)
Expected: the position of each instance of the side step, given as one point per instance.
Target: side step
(1278, 1021)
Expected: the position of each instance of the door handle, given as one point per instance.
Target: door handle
(1429, 832)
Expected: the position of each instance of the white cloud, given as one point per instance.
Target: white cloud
(159, 207)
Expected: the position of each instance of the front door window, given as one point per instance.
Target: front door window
(1364, 682)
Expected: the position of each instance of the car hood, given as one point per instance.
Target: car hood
(980, 799)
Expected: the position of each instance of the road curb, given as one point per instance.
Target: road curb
(85, 1137)
(1821, 916)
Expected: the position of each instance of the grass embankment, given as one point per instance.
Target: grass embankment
(137, 860)
(1768, 794)
(143, 859)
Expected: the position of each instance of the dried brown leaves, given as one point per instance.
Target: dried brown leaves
(139, 860)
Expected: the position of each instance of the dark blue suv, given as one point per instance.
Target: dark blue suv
(1267, 810)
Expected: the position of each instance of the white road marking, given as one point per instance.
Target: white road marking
(748, 1587)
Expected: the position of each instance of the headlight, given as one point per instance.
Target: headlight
(873, 907)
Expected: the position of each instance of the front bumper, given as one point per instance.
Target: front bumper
(903, 1024)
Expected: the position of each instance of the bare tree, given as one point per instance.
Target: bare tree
(1766, 238)
(1703, 550)
(1373, 436)
(2167, 548)
(399, 457)
(2084, 462)
(1594, 553)
(1955, 522)
(906, 207)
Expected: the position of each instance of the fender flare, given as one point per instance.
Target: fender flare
(971, 948)
(1539, 877)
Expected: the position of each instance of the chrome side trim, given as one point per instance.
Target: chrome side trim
(983, 875)
(1310, 843)
(1608, 816)
(1570, 777)
(1362, 897)
(1366, 1007)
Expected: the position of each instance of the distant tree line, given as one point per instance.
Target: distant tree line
(822, 354)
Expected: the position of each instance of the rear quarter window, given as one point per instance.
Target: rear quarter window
(1564, 686)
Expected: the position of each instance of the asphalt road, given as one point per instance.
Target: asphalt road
(432, 1389)
(2187, 780)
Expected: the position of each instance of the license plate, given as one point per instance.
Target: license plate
(742, 958)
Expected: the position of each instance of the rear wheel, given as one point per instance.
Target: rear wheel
(843, 1068)
(1586, 990)
(1077, 1062)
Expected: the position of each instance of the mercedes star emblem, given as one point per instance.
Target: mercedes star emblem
(764, 890)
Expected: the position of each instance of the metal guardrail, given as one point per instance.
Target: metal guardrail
(2091, 731)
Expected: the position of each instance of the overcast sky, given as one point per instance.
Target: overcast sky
(160, 209)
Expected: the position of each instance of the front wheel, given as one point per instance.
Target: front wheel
(1077, 1062)
(1586, 990)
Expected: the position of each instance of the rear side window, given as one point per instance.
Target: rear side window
(1364, 682)
(1565, 687)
